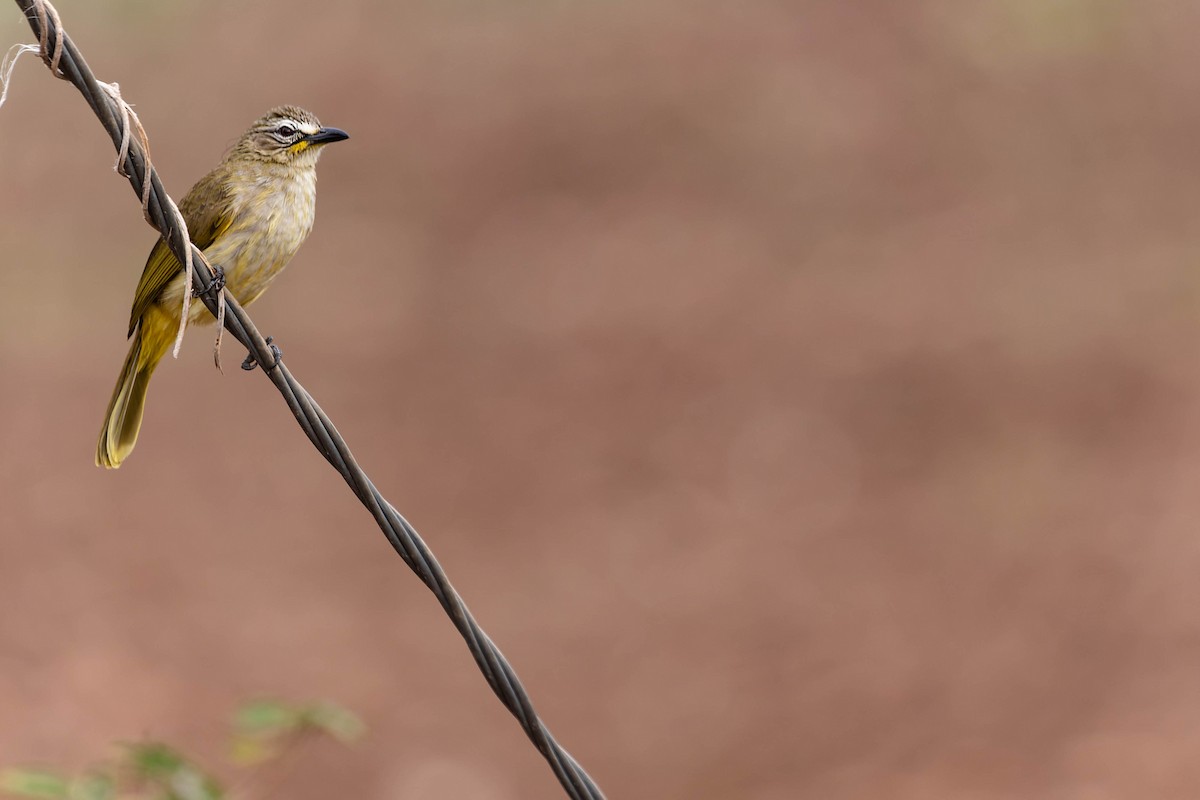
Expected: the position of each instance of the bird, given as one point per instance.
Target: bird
(248, 216)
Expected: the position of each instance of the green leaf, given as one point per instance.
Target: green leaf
(34, 783)
(266, 717)
(190, 783)
(334, 720)
(163, 766)
(154, 759)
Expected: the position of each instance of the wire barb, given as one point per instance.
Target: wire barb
(67, 62)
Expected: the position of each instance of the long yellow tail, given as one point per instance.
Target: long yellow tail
(124, 418)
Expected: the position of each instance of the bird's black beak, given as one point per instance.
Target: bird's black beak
(327, 135)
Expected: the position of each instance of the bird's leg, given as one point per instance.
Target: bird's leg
(251, 362)
(216, 287)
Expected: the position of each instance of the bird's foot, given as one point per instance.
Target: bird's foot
(216, 287)
(251, 362)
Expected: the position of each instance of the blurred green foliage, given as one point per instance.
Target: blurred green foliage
(262, 730)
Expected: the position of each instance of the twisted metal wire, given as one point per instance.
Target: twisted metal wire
(58, 51)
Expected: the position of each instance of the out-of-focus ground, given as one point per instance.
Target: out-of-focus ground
(805, 396)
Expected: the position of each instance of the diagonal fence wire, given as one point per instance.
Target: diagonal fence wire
(66, 62)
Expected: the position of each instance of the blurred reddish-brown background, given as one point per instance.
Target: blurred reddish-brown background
(805, 396)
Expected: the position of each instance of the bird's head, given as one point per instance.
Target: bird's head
(286, 135)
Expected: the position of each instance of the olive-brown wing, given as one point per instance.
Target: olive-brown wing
(206, 210)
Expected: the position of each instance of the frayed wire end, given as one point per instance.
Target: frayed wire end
(9, 62)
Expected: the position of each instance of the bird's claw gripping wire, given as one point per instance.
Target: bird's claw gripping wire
(251, 362)
(216, 287)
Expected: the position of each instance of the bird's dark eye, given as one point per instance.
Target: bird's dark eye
(286, 131)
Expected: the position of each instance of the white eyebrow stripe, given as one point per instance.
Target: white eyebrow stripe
(307, 128)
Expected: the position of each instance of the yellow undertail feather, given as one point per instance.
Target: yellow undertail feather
(119, 433)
